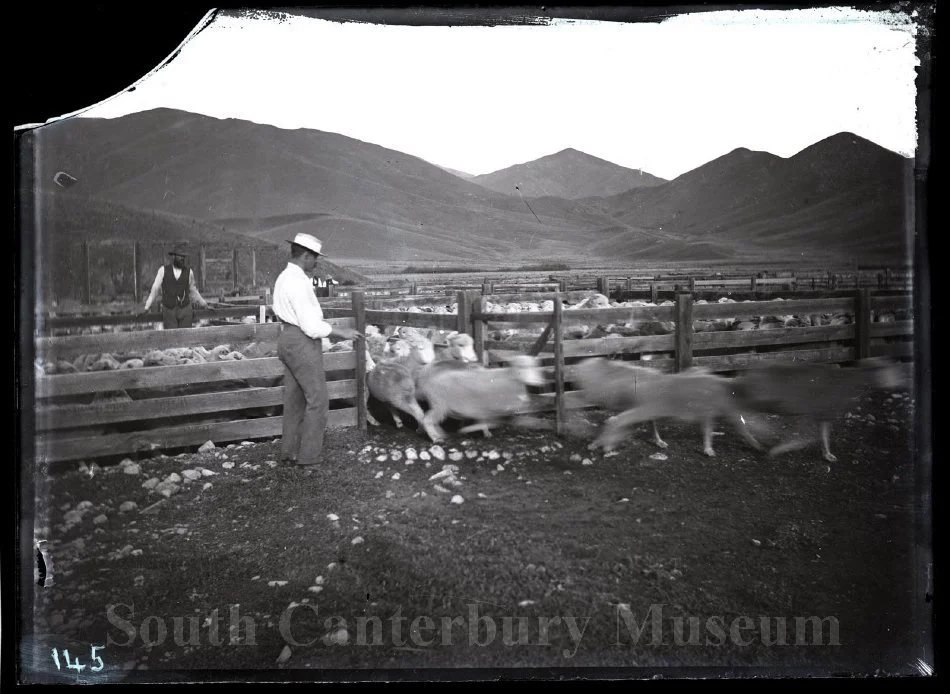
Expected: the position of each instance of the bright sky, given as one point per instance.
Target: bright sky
(664, 97)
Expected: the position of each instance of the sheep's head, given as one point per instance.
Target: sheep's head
(462, 347)
(527, 369)
(400, 348)
(421, 347)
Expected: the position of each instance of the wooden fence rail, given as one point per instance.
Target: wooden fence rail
(233, 400)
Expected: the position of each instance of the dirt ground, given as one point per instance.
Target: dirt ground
(619, 561)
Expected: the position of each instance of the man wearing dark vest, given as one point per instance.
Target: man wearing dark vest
(177, 286)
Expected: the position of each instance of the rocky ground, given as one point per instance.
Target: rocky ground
(522, 550)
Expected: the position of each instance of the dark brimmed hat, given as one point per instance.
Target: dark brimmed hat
(179, 249)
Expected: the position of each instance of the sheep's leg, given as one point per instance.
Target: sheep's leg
(613, 430)
(792, 445)
(743, 430)
(656, 437)
(481, 426)
(431, 421)
(708, 437)
(825, 428)
(396, 418)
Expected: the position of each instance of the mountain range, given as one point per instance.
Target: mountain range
(840, 198)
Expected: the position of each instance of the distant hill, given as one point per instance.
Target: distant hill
(569, 174)
(843, 195)
(362, 200)
(65, 220)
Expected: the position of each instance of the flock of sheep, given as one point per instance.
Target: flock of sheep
(405, 370)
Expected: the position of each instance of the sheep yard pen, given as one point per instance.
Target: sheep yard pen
(529, 525)
(74, 416)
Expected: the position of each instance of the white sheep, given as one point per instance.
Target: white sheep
(485, 395)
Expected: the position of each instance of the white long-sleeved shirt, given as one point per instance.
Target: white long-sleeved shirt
(296, 303)
(192, 287)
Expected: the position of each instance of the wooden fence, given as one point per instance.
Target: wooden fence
(172, 406)
(178, 406)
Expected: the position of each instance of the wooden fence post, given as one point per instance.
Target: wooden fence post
(862, 323)
(562, 286)
(135, 271)
(478, 328)
(464, 312)
(603, 286)
(413, 289)
(253, 267)
(486, 288)
(556, 324)
(653, 292)
(692, 284)
(753, 283)
(330, 291)
(684, 332)
(204, 267)
(86, 287)
(234, 268)
(359, 346)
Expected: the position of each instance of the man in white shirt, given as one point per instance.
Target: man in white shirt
(300, 348)
(177, 286)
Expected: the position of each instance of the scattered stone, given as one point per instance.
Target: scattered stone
(457, 499)
(456, 455)
(587, 461)
(131, 468)
(395, 455)
(471, 454)
(395, 476)
(227, 465)
(276, 584)
(575, 457)
(440, 475)
(482, 496)
(411, 454)
(247, 443)
(757, 543)
(190, 474)
(440, 488)
(332, 566)
(127, 506)
(318, 581)
(382, 458)
(168, 490)
(332, 517)
(270, 463)
(357, 540)
(284, 655)
(378, 475)
(173, 477)
(340, 637)
(437, 452)
(424, 455)
(206, 446)
(366, 449)
(659, 456)
(206, 486)
(390, 494)
(150, 483)
(525, 603)
(315, 589)
(493, 455)
(254, 578)
(100, 519)
(500, 467)
(623, 500)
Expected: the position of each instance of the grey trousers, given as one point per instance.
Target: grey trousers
(179, 317)
(306, 402)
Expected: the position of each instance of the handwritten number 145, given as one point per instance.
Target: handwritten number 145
(75, 664)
